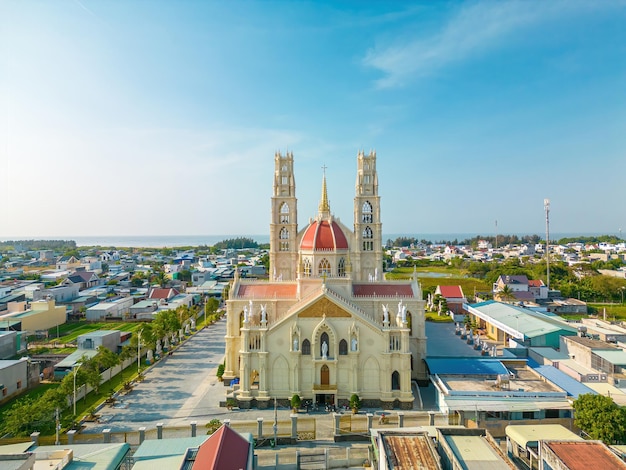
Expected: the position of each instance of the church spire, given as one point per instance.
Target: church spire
(324, 207)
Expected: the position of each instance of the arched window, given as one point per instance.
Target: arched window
(324, 340)
(368, 242)
(284, 213)
(307, 267)
(323, 269)
(343, 347)
(284, 239)
(306, 347)
(366, 213)
(395, 380)
(341, 267)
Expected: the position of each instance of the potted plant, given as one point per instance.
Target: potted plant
(355, 403)
(295, 402)
(230, 403)
(220, 372)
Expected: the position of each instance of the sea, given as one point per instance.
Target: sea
(172, 241)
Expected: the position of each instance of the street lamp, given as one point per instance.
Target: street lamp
(75, 373)
(139, 351)
(622, 289)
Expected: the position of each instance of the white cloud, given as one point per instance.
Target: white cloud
(470, 31)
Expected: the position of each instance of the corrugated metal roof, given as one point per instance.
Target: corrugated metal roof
(465, 366)
(527, 322)
(572, 386)
(506, 404)
(475, 453)
(92, 456)
(522, 434)
(617, 357)
(409, 452)
(153, 448)
(585, 455)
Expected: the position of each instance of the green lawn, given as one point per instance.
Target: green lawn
(449, 276)
(613, 311)
(72, 330)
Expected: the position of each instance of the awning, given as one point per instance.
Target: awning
(511, 405)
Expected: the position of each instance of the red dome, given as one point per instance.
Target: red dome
(324, 235)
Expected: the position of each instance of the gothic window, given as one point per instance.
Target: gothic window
(366, 213)
(306, 348)
(284, 168)
(343, 347)
(284, 239)
(323, 269)
(324, 340)
(395, 380)
(284, 213)
(341, 267)
(368, 242)
(409, 321)
(366, 179)
(284, 180)
(307, 267)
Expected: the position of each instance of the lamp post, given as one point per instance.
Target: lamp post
(622, 289)
(75, 373)
(139, 351)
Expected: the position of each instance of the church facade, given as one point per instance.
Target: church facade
(326, 324)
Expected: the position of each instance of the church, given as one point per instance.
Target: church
(326, 325)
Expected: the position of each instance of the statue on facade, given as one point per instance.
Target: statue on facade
(385, 314)
(245, 314)
(295, 344)
(263, 313)
(354, 344)
(324, 350)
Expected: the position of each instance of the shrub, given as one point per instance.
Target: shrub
(355, 402)
(296, 401)
(220, 371)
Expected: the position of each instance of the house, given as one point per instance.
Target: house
(405, 448)
(34, 316)
(119, 308)
(514, 325)
(523, 441)
(492, 392)
(67, 263)
(84, 279)
(470, 448)
(225, 449)
(454, 298)
(577, 455)
(17, 376)
(165, 294)
(516, 283)
(538, 288)
(8, 344)
(110, 339)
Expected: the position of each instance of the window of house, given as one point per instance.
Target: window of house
(552, 413)
(343, 347)
(306, 347)
(528, 415)
(19, 384)
(4, 392)
(307, 267)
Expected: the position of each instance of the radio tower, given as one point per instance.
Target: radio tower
(546, 206)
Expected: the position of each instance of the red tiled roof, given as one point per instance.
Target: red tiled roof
(382, 290)
(160, 293)
(451, 292)
(535, 283)
(224, 450)
(584, 455)
(267, 291)
(324, 235)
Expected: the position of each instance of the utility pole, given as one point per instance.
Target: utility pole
(496, 234)
(546, 206)
(57, 427)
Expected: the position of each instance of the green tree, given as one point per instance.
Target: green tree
(506, 293)
(600, 418)
(108, 359)
(295, 401)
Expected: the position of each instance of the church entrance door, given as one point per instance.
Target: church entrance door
(324, 375)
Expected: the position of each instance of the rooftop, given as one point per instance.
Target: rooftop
(585, 455)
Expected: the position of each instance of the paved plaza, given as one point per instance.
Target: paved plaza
(183, 387)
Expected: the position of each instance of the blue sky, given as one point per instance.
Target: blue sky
(163, 117)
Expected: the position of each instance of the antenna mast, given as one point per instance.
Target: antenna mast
(546, 206)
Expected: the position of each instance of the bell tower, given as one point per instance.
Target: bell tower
(284, 221)
(368, 252)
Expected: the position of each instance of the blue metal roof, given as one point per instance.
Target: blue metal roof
(572, 386)
(465, 366)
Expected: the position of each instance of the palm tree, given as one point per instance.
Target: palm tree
(506, 294)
